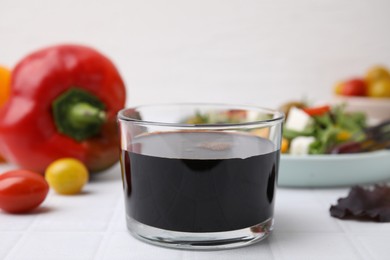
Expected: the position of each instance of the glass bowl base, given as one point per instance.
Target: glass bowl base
(200, 241)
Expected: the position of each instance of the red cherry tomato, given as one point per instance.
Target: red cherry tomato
(354, 87)
(317, 111)
(22, 191)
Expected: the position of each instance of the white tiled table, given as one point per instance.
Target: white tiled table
(92, 226)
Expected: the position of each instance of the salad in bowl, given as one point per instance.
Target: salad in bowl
(327, 146)
(330, 130)
(322, 146)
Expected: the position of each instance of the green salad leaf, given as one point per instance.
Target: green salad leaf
(332, 128)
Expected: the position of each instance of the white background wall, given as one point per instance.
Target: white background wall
(259, 52)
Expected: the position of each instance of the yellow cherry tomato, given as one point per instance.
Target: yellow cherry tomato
(67, 176)
(285, 145)
(380, 89)
(338, 88)
(377, 73)
(5, 84)
(343, 136)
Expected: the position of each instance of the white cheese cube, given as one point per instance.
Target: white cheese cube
(298, 120)
(300, 145)
(252, 116)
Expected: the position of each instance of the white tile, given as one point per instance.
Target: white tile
(327, 198)
(330, 195)
(18, 222)
(7, 241)
(59, 246)
(378, 246)
(358, 227)
(120, 219)
(293, 197)
(76, 213)
(94, 194)
(112, 174)
(304, 218)
(293, 245)
(74, 219)
(89, 211)
(121, 245)
(299, 210)
(260, 250)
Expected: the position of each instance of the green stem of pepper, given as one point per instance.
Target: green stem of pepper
(81, 115)
(78, 114)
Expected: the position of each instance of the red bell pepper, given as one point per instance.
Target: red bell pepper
(63, 103)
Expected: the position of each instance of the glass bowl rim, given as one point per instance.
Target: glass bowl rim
(279, 116)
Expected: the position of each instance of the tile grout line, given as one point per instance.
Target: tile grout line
(275, 253)
(25, 233)
(109, 230)
(363, 254)
(28, 230)
(369, 254)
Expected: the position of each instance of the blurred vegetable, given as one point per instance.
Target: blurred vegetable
(22, 191)
(380, 132)
(376, 138)
(5, 82)
(349, 147)
(379, 89)
(232, 116)
(5, 85)
(197, 119)
(63, 103)
(364, 204)
(261, 132)
(377, 73)
(317, 111)
(376, 84)
(343, 135)
(360, 147)
(354, 87)
(338, 88)
(67, 176)
(331, 126)
(291, 134)
(285, 144)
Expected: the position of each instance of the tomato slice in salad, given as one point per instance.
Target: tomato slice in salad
(317, 111)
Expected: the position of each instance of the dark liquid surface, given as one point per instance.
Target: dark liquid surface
(200, 182)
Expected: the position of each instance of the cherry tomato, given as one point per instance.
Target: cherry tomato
(67, 176)
(379, 88)
(284, 146)
(338, 88)
(22, 191)
(377, 73)
(317, 111)
(354, 87)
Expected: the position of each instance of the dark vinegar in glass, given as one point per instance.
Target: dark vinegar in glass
(200, 181)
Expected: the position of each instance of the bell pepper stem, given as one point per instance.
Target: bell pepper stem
(83, 114)
(79, 114)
